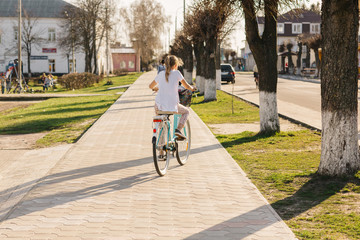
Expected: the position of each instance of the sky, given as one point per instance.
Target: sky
(174, 9)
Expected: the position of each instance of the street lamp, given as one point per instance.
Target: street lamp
(72, 41)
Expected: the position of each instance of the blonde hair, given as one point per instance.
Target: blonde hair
(170, 61)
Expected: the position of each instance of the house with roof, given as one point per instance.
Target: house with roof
(46, 17)
(289, 26)
(125, 58)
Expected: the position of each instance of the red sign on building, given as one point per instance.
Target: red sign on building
(49, 50)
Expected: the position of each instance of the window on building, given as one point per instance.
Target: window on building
(131, 64)
(15, 33)
(51, 35)
(297, 28)
(51, 65)
(123, 64)
(280, 28)
(314, 28)
(71, 65)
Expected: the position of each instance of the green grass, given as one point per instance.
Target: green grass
(63, 119)
(283, 167)
(220, 111)
(99, 88)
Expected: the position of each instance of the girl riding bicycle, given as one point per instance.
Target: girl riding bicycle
(167, 99)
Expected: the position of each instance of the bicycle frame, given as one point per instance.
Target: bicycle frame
(171, 134)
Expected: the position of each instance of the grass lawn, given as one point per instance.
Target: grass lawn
(283, 167)
(99, 88)
(63, 119)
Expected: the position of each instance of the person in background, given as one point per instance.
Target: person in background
(51, 80)
(161, 66)
(46, 82)
(256, 76)
(3, 82)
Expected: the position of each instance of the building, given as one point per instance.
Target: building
(125, 58)
(46, 18)
(289, 26)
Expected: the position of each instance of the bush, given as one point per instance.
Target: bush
(78, 80)
(120, 72)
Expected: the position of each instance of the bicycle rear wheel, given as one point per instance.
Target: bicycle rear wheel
(160, 152)
(183, 146)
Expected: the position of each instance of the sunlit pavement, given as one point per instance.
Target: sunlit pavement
(105, 187)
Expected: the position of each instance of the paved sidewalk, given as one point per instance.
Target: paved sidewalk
(105, 187)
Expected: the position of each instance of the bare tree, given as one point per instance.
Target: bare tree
(85, 26)
(145, 20)
(312, 41)
(282, 50)
(214, 15)
(339, 88)
(30, 36)
(182, 47)
(289, 47)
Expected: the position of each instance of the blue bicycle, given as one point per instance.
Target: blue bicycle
(165, 143)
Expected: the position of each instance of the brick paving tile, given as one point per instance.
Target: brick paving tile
(106, 187)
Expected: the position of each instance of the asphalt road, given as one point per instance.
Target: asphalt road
(305, 94)
(299, 100)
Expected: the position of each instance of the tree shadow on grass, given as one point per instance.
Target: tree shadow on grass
(249, 137)
(312, 193)
(41, 125)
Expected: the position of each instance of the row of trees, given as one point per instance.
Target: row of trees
(209, 21)
(86, 27)
(205, 26)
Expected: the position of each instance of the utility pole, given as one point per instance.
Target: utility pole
(19, 47)
(107, 39)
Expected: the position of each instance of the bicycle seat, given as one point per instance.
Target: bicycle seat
(165, 113)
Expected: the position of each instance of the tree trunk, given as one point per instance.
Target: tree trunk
(28, 63)
(95, 70)
(199, 55)
(307, 56)
(264, 51)
(317, 61)
(298, 61)
(339, 145)
(210, 73)
(218, 62)
(188, 62)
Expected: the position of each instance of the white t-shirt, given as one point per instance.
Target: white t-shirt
(167, 97)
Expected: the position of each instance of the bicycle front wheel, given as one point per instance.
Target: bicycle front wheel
(160, 151)
(183, 146)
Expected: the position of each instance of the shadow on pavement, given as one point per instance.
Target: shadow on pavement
(72, 175)
(241, 227)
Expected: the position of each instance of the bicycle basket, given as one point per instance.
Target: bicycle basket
(185, 97)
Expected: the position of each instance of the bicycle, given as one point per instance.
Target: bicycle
(164, 141)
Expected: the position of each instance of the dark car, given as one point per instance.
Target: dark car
(227, 73)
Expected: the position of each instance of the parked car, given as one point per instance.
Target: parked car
(227, 73)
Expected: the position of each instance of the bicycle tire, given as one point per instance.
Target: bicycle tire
(159, 148)
(183, 147)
